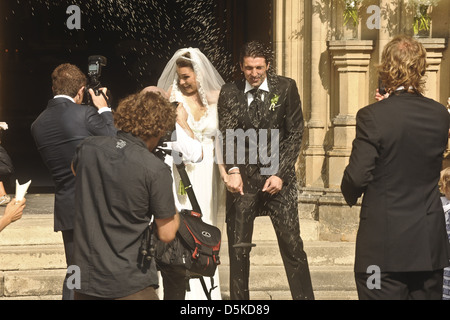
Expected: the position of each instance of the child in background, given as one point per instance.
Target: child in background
(444, 184)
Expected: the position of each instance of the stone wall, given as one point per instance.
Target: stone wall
(335, 69)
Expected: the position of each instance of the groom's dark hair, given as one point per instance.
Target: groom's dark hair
(255, 49)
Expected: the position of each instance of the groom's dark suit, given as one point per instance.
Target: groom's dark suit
(280, 110)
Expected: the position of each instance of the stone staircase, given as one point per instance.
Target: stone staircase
(331, 265)
(32, 263)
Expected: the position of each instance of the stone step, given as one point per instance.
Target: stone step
(265, 282)
(320, 253)
(31, 283)
(37, 229)
(32, 257)
(318, 295)
(267, 253)
(32, 229)
(273, 278)
(33, 262)
(263, 230)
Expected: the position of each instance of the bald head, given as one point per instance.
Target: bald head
(155, 89)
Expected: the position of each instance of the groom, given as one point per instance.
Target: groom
(262, 103)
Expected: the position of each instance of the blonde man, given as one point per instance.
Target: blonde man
(402, 245)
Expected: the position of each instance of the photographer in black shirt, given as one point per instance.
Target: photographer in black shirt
(120, 185)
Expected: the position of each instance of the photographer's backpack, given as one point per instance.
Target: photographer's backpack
(196, 246)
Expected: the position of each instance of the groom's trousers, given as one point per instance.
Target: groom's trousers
(283, 211)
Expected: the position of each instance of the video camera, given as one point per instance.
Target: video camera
(95, 64)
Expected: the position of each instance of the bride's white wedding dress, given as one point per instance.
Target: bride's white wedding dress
(204, 176)
(206, 183)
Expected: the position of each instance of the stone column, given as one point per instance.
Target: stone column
(288, 17)
(289, 39)
(351, 59)
(314, 154)
(435, 51)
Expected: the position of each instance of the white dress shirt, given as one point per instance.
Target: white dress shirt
(248, 87)
(264, 87)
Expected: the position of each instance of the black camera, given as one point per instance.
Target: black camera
(171, 135)
(381, 88)
(95, 64)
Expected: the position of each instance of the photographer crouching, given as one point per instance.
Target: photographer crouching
(120, 186)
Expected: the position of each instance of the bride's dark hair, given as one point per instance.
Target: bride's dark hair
(185, 61)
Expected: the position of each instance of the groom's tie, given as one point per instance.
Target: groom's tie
(255, 108)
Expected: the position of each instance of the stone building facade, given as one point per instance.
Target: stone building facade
(335, 68)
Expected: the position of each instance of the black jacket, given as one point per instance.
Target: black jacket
(57, 132)
(396, 162)
(282, 110)
(6, 165)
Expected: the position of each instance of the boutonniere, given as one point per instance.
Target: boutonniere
(273, 103)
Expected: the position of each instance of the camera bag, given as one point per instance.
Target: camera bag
(196, 246)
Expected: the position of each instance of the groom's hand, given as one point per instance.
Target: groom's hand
(233, 182)
(273, 185)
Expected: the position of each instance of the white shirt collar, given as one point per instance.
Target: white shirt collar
(402, 88)
(264, 86)
(65, 97)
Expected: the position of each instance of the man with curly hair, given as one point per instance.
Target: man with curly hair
(395, 162)
(120, 186)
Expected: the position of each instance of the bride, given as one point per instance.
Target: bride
(191, 79)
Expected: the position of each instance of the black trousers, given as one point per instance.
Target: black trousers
(174, 282)
(67, 235)
(148, 293)
(402, 286)
(283, 211)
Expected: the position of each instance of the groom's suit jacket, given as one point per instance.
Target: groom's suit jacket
(396, 162)
(282, 110)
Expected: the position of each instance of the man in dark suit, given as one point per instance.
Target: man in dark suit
(263, 106)
(402, 245)
(57, 132)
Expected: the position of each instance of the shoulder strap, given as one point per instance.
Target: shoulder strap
(188, 187)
